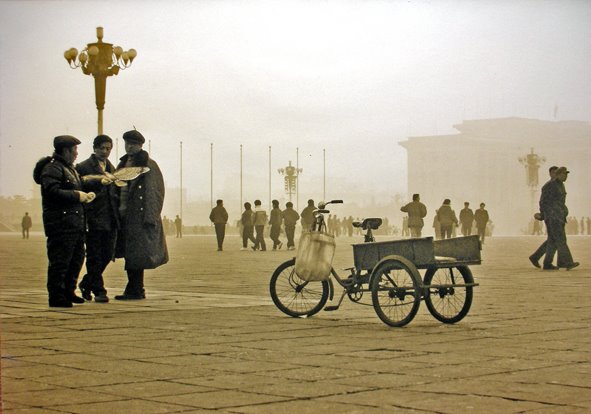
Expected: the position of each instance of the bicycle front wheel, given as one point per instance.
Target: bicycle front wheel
(294, 296)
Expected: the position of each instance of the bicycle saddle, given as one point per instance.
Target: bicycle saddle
(369, 223)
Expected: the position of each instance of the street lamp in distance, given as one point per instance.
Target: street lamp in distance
(291, 175)
(100, 60)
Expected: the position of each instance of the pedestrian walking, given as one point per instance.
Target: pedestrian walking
(554, 210)
(102, 217)
(290, 218)
(275, 220)
(447, 219)
(481, 218)
(466, 219)
(219, 218)
(260, 219)
(27, 223)
(535, 257)
(307, 216)
(416, 212)
(178, 225)
(64, 223)
(247, 221)
(142, 241)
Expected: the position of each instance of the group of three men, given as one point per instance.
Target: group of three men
(85, 212)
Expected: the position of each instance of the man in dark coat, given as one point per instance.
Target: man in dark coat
(307, 216)
(275, 221)
(219, 218)
(63, 220)
(553, 209)
(540, 251)
(247, 222)
(481, 218)
(27, 223)
(466, 219)
(103, 219)
(447, 219)
(290, 218)
(141, 242)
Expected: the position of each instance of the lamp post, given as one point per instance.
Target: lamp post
(100, 60)
(291, 175)
(532, 162)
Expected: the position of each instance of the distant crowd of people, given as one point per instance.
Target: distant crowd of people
(445, 221)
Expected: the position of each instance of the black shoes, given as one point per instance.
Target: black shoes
(550, 267)
(572, 265)
(127, 296)
(534, 262)
(86, 294)
(75, 299)
(60, 303)
(101, 298)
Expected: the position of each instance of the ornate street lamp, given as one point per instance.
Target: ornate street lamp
(100, 60)
(532, 162)
(291, 175)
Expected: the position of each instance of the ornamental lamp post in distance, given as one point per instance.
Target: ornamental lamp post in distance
(100, 60)
(291, 174)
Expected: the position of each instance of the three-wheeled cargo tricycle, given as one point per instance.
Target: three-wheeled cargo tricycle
(389, 271)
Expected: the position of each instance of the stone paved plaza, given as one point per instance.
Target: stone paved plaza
(209, 339)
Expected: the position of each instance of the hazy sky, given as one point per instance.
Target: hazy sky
(354, 77)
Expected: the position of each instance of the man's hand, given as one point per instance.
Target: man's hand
(86, 197)
(539, 216)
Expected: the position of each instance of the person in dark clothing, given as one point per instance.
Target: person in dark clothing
(307, 216)
(466, 219)
(447, 219)
(275, 221)
(141, 241)
(102, 217)
(219, 218)
(63, 219)
(481, 218)
(553, 209)
(247, 221)
(535, 257)
(178, 225)
(27, 223)
(290, 218)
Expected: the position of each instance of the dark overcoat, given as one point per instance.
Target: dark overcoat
(143, 244)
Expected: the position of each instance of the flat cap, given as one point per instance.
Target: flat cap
(562, 170)
(65, 141)
(134, 137)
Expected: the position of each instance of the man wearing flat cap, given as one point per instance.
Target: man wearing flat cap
(102, 217)
(554, 211)
(141, 240)
(63, 219)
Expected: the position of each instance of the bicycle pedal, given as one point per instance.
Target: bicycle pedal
(331, 308)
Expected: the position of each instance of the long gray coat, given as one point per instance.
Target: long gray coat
(143, 243)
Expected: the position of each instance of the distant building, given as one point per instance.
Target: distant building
(481, 163)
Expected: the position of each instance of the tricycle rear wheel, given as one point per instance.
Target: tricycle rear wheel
(296, 297)
(447, 303)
